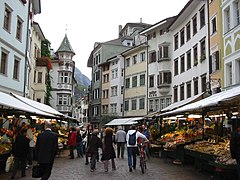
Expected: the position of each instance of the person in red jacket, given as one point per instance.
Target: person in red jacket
(72, 141)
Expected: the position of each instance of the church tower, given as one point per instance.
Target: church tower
(63, 78)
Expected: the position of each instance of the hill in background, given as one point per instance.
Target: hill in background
(83, 83)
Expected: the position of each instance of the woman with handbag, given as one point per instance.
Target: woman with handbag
(20, 152)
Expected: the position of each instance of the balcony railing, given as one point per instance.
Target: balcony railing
(164, 59)
(65, 86)
(64, 108)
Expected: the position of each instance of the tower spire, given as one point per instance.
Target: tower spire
(66, 29)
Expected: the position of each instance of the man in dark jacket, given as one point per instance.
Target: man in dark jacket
(93, 145)
(20, 151)
(46, 149)
(235, 149)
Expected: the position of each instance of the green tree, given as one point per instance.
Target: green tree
(45, 50)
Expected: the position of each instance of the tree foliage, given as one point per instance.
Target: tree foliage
(45, 50)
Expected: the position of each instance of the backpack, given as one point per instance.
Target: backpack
(132, 138)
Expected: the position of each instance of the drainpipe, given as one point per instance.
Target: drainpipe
(124, 85)
(147, 76)
(26, 50)
(208, 29)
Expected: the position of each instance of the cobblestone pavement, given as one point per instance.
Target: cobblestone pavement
(157, 169)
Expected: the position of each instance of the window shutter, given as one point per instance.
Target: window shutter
(169, 78)
(210, 64)
(217, 60)
(161, 78)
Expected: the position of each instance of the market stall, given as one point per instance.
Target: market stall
(15, 110)
(216, 111)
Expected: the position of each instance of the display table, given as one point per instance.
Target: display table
(201, 160)
(177, 154)
(156, 150)
(224, 171)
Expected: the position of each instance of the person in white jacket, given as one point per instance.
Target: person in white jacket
(133, 149)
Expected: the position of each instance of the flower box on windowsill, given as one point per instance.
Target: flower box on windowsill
(203, 57)
(24, 1)
(195, 62)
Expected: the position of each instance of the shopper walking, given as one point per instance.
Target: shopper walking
(108, 150)
(132, 149)
(147, 148)
(20, 152)
(46, 150)
(120, 139)
(94, 144)
(87, 135)
(79, 144)
(72, 141)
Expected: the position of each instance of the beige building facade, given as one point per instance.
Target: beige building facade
(135, 96)
(215, 40)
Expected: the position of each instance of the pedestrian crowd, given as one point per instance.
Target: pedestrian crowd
(24, 149)
(95, 145)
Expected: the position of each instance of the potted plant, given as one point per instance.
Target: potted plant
(195, 62)
(203, 57)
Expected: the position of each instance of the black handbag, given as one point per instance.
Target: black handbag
(36, 172)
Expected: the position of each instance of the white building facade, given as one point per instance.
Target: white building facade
(38, 69)
(231, 42)
(13, 44)
(116, 85)
(159, 70)
(62, 74)
(190, 51)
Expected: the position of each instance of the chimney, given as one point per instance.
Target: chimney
(140, 20)
(119, 30)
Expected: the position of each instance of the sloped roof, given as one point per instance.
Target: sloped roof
(65, 46)
(117, 41)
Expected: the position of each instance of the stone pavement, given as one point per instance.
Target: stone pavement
(157, 169)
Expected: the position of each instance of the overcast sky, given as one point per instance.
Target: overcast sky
(93, 21)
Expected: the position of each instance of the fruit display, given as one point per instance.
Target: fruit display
(170, 146)
(62, 138)
(221, 150)
(180, 137)
(5, 148)
(5, 140)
